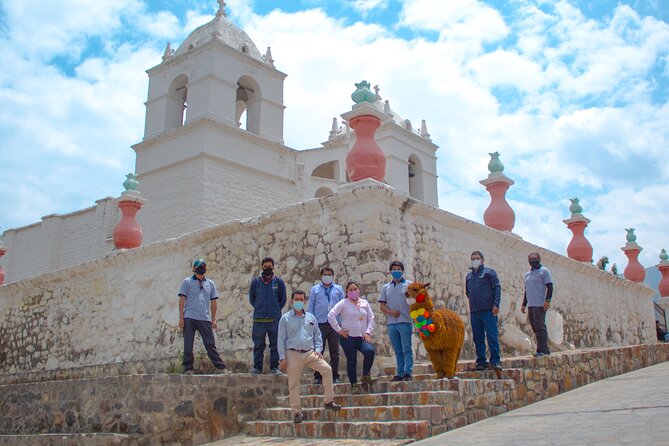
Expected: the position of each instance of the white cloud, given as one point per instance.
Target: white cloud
(365, 6)
(461, 20)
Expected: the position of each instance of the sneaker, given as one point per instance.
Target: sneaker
(223, 371)
(276, 372)
(188, 372)
(539, 354)
(408, 378)
(318, 380)
(298, 418)
(396, 379)
(332, 406)
(356, 389)
(480, 367)
(366, 379)
(336, 381)
(255, 371)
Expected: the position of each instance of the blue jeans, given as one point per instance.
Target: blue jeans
(351, 346)
(484, 324)
(260, 331)
(207, 334)
(400, 338)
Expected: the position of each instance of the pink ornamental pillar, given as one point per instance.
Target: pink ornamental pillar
(579, 248)
(499, 214)
(663, 266)
(2, 272)
(663, 287)
(365, 159)
(127, 233)
(634, 270)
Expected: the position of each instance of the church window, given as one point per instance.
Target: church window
(247, 104)
(328, 170)
(415, 172)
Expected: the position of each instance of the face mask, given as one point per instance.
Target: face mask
(267, 271)
(327, 280)
(397, 275)
(298, 306)
(201, 270)
(476, 263)
(354, 295)
(534, 263)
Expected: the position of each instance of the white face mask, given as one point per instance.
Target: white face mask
(476, 263)
(327, 280)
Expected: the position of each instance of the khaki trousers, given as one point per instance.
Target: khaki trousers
(296, 363)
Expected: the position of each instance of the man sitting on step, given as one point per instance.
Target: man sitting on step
(300, 344)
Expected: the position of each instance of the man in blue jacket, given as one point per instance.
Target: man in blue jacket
(484, 293)
(267, 296)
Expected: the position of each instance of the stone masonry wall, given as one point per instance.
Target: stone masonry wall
(162, 409)
(124, 307)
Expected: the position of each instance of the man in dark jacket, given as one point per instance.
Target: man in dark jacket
(267, 296)
(484, 293)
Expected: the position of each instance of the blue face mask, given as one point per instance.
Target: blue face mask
(397, 274)
(298, 306)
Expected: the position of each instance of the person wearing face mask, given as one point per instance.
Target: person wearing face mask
(196, 295)
(267, 296)
(484, 293)
(355, 331)
(322, 298)
(400, 329)
(537, 300)
(300, 345)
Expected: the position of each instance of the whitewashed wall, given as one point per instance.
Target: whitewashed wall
(123, 306)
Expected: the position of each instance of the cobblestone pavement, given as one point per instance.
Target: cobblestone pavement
(629, 409)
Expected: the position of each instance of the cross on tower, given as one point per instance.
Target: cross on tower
(376, 91)
(221, 8)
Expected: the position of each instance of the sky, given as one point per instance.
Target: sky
(574, 95)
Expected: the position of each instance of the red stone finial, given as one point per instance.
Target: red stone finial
(579, 248)
(366, 159)
(2, 272)
(499, 214)
(127, 233)
(663, 266)
(634, 270)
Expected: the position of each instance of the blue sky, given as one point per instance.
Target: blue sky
(575, 96)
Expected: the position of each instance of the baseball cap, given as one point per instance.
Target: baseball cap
(199, 262)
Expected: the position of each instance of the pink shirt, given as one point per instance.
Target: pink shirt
(358, 320)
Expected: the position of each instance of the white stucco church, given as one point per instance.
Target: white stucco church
(213, 151)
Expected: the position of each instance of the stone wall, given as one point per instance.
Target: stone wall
(123, 307)
(163, 409)
(59, 241)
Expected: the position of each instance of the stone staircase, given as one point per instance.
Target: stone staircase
(392, 410)
(146, 408)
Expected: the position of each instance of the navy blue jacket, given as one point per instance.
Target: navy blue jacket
(483, 289)
(268, 299)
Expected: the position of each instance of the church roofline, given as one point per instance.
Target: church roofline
(166, 64)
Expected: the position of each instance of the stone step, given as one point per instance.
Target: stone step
(440, 397)
(70, 439)
(248, 440)
(416, 430)
(425, 368)
(466, 385)
(434, 413)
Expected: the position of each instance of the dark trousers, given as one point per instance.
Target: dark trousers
(207, 334)
(538, 322)
(260, 331)
(351, 346)
(331, 338)
(484, 325)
